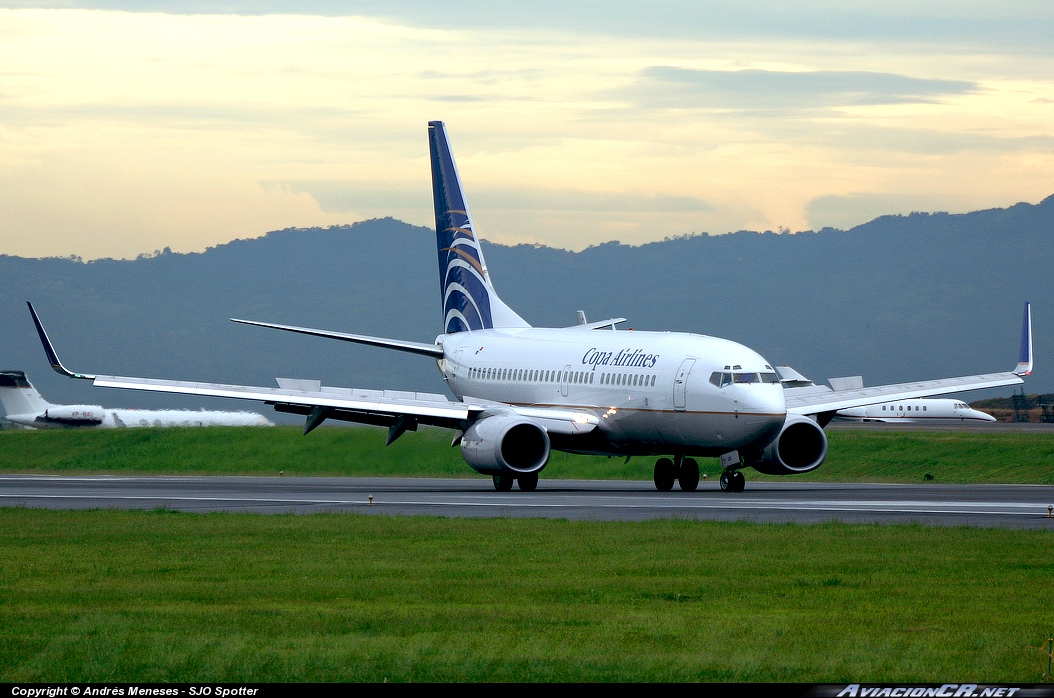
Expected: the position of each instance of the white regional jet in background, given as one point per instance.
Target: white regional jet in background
(23, 405)
(522, 391)
(932, 410)
(935, 410)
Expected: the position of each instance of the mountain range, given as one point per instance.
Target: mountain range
(900, 298)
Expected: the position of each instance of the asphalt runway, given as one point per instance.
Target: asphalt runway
(1011, 506)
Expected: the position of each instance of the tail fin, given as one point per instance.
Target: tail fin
(1024, 359)
(469, 299)
(18, 395)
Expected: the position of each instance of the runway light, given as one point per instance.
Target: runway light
(281, 473)
(1050, 512)
(371, 500)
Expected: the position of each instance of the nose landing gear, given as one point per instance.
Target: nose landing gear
(732, 481)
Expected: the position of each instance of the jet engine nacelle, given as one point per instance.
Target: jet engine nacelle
(800, 447)
(74, 415)
(505, 443)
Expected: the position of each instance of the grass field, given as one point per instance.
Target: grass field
(159, 596)
(861, 456)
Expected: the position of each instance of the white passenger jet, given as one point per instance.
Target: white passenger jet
(915, 411)
(24, 406)
(590, 388)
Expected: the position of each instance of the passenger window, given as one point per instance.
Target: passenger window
(923, 408)
(883, 408)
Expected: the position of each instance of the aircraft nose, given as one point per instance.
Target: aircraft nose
(984, 416)
(765, 399)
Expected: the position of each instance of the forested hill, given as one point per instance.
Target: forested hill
(899, 298)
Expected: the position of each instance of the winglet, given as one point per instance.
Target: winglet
(53, 358)
(1024, 358)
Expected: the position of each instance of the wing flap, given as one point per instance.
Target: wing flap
(815, 402)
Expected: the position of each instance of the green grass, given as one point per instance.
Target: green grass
(160, 596)
(860, 456)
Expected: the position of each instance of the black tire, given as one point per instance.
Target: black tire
(726, 482)
(665, 474)
(688, 475)
(503, 482)
(738, 481)
(528, 483)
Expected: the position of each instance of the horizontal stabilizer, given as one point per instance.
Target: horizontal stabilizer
(396, 344)
(598, 325)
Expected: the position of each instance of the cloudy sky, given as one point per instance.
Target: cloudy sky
(127, 127)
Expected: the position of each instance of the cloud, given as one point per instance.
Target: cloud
(671, 87)
(844, 212)
(1018, 27)
(336, 197)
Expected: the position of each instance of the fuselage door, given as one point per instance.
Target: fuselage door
(680, 385)
(457, 372)
(565, 378)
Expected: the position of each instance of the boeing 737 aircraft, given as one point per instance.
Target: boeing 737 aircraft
(590, 388)
(23, 405)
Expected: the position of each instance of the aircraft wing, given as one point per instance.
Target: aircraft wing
(380, 407)
(398, 410)
(818, 399)
(810, 401)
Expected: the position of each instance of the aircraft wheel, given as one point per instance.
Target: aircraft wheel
(732, 481)
(688, 475)
(503, 482)
(665, 474)
(528, 483)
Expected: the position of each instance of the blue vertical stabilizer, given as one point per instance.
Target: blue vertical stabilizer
(469, 299)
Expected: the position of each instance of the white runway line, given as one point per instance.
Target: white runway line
(877, 507)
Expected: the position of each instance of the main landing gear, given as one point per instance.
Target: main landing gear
(732, 481)
(528, 482)
(684, 470)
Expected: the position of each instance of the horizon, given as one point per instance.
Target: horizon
(688, 236)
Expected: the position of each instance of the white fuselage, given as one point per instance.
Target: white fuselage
(653, 392)
(94, 416)
(918, 410)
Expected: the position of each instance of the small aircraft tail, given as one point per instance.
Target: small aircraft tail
(18, 395)
(469, 299)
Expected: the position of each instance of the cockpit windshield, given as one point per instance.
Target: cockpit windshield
(722, 380)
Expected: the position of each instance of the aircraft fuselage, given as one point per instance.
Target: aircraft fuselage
(654, 392)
